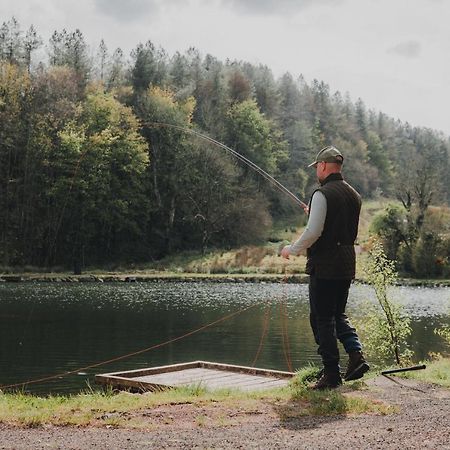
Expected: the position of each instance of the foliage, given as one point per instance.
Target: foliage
(251, 134)
(422, 251)
(444, 333)
(328, 402)
(390, 226)
(386, 327)
(77, 182)
(437, 372)
(124, 409)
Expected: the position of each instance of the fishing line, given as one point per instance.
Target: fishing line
(285, 335)
(281, 188)
(59, 218)
(284, 326)
(264, 331)
(128, 355)
(247, 162)
(237, 155)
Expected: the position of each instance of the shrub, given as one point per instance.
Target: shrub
(425, 255)
(386, 326)
(390, 226)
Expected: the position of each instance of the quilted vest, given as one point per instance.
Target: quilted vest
(332, 256)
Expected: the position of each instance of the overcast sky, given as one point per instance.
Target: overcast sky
(394, 54)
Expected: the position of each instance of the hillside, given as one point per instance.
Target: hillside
(90, 177)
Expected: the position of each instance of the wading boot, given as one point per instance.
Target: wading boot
(356, 367)
(328, 380)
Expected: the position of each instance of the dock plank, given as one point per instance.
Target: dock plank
(185, 375)
(206, 374)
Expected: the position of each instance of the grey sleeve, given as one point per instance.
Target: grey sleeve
(314, 228)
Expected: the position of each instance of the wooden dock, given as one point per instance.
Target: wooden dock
(197, 373)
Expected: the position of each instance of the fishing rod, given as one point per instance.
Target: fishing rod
(237, 155)
(403, 369)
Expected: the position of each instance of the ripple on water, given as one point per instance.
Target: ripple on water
(49, 328)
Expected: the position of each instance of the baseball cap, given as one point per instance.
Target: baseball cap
(328, 154)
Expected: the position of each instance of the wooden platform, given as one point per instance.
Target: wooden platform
(197, 373)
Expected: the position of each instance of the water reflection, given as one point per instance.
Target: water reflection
(51, 328)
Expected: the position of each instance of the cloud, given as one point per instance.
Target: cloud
(280, 7)
(408, 49)
(130, 10)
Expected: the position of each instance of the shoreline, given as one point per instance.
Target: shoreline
(138, 277)
(298, 418)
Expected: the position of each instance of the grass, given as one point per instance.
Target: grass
(250, 259)
(110, 409)
(122, 409)
(344, 400)
(437, 371)
(261, 260)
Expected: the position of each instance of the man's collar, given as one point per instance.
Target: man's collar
(332, 177)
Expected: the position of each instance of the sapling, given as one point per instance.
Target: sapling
(387, 326)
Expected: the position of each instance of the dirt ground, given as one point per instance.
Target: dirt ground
(422, 422)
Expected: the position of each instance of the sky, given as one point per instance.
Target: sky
(394, 54)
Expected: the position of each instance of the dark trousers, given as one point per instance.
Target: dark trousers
(327, 300)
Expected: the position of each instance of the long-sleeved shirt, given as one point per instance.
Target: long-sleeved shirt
(314, 228)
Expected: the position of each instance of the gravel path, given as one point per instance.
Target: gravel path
(423, 422)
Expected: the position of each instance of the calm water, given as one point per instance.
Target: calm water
(48, 328)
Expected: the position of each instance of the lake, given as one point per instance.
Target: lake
(50, 328)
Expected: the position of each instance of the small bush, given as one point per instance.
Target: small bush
(390, 226)
(386, 326)
(444, 333)
(425, 255)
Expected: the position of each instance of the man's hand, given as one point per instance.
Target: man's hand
(306, 209)
(285, 252)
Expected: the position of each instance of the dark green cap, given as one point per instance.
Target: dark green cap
(328, 154)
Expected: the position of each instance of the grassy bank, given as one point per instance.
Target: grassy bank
(248, 263)
(437, 372)
(128, 410)
(259, 259)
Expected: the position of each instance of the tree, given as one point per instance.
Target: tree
(212, 97)
(167, 154)
(240, 88)
(117, 73)
(378, 158)
(218, 208)
(11, 44)
(358, 170)
(301, 148)
(255, 137)
(180, 77)
(31, 43)
(103, 60)
(70, 49)
(361, 118)
(290, 101)
(265, 88)
(104, 210)
(15, 94)
(149, 67)
(322, 107)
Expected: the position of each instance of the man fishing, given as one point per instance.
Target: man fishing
(329, 240)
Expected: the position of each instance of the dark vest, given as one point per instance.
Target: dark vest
(332, 256)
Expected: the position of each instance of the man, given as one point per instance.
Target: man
(329, 241)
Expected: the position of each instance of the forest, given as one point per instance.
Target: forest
(88, 178)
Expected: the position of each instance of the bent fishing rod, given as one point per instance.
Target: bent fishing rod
(237, 155)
